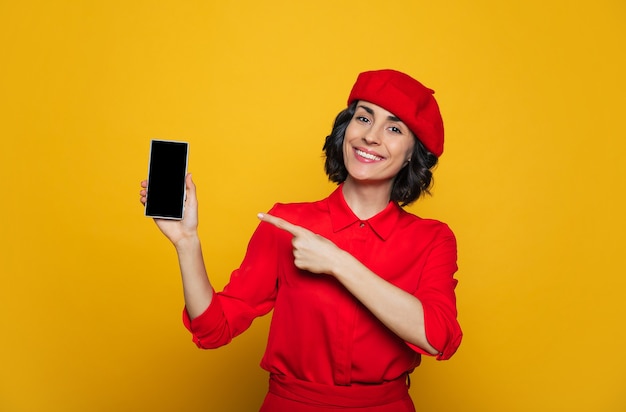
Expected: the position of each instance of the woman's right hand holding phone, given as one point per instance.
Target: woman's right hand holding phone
(178, 231)
(183, 234)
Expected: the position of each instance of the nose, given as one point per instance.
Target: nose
(372, 137)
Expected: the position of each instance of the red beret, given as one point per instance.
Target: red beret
(406, 98)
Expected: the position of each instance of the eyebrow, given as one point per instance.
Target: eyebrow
(370, 111)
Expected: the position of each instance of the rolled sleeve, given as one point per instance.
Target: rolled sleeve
(436, 292)
(209, 330)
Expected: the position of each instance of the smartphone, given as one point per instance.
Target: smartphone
(166, 179)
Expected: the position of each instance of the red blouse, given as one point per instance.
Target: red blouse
(319, 331)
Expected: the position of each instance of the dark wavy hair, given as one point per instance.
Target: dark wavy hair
(413, 180)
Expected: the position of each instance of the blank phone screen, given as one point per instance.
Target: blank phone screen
(166, 179)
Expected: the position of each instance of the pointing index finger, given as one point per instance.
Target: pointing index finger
(280, 223)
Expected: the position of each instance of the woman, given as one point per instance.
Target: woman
(359, 288)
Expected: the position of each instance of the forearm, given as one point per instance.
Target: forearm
(397, 309)
(197, 288)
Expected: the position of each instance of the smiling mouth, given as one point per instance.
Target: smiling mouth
(368, 156)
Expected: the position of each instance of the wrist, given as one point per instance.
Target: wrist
(187, 242)
(342, 264)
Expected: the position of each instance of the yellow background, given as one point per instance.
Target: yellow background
(533, 97)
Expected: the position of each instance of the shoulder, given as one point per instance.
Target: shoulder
(301, 211)
(408, 222)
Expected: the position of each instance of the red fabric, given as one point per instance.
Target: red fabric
(406, 98)
(287, 394)
(320, 332)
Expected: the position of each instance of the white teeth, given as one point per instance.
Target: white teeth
(368, 156)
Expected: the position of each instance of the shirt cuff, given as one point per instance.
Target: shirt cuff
(204, 327)
(445, 339)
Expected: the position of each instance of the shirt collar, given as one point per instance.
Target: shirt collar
(341, 215)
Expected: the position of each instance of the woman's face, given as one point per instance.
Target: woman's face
(377, 145)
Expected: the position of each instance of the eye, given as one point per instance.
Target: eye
(395, 129)
(362, 119)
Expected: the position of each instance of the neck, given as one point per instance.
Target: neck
(366, 199)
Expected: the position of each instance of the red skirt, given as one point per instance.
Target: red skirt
(288, 394)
